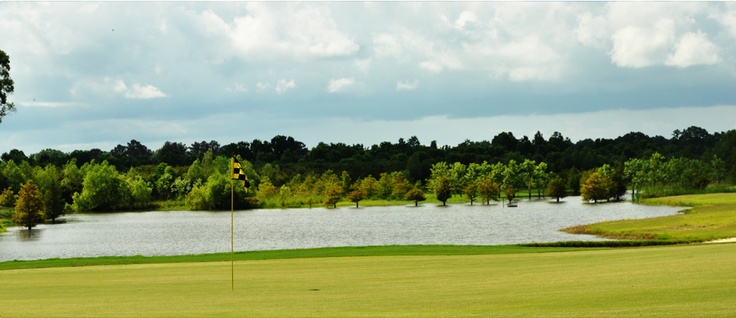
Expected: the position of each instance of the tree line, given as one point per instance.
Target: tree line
(284, 173)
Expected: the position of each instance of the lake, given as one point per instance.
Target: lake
(186, 232)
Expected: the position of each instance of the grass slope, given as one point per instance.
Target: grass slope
(712, 217)
(685, 280)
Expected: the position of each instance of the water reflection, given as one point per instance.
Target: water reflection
(184, 232)
(25, 235)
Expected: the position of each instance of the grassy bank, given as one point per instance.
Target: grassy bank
(589, 283)
(390, 250)
(712, 217)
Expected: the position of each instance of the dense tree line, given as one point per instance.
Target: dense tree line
(283, 172)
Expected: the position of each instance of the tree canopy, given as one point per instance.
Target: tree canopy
(6, 85)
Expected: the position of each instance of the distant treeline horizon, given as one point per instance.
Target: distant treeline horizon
(410, 155)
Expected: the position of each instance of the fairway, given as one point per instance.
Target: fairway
(687, 280)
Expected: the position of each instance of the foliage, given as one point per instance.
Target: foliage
(6, 85)
(693, 160)
(415, 194)
(29, 209)
(442, 190)
(7, 198)
(356, 194)
(556, 188)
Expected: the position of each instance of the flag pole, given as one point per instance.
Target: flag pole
(232, 229)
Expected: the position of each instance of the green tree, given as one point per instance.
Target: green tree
(29, 207)
(488, 189)
(101, 189)
(512, 179)
(471, 190)
(49, 185)
(72, 180)
(400, 185)
(285, 195)
(415, 194)
(556, 188)
(7, 198)
(6, 85)
(442, 190)
(385, 186)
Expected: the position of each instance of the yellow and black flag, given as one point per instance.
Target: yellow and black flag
(239, 174)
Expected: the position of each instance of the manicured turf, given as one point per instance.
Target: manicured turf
(671, 281)
(712, 217)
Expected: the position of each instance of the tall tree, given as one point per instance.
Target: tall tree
(556, 188)
(442, 190)
(6, 85)
(29, 207)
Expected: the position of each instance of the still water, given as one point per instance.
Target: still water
(177, 233)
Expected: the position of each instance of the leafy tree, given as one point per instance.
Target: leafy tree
(285, 194)
(442, 190)
(140, 192)
(7, 198)
(101, 190)
(512, 179)
(385, 186)
(369, 185)
(471, 190)
(6, 85)
(488, 189)
(49, 185)
(172, 153)
(266, 189)
(415, 194)
(29, 207)
(400, 185)
(594, 187)
(333, 193)
(556, 188)
(356, 194)
(72, 180)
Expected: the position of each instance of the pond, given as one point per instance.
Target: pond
(185, 232)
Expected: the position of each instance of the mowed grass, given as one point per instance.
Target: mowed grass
(670, 281)
(712, 217)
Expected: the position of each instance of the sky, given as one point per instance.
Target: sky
(98, 74)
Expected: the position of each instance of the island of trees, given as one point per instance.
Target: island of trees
(283, 172)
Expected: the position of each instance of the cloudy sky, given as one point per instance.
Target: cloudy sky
(95, 75)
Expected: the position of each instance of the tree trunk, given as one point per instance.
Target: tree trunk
(558, 199)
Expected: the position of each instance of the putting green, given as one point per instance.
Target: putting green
(687, 280)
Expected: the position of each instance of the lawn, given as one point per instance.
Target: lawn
(683, 280)
(712, 217)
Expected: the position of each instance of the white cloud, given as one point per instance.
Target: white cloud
(406, 85)
(694, 49)
(637, 47)
(465, 18)
(138, 91)
(307, 32)
(592, 30)
(283, 85)
(109, 87)
(340, 84)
